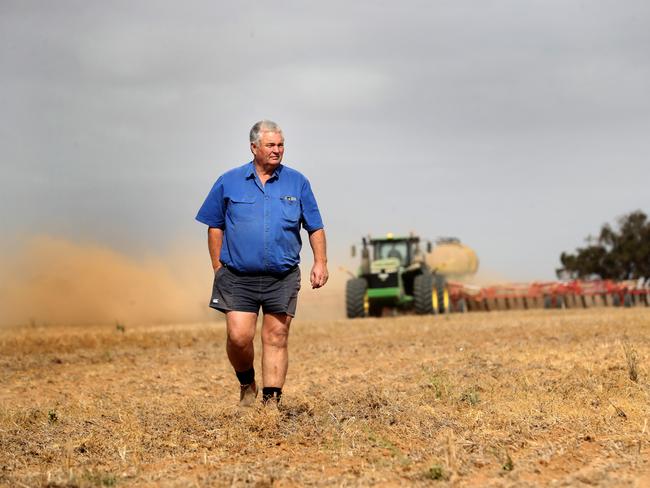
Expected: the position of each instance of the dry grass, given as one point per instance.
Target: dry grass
(498, 399)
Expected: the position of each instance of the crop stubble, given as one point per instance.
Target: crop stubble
(501, 399)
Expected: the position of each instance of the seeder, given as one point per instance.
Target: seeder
(549, 294)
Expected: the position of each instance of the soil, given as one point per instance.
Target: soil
(522, 398)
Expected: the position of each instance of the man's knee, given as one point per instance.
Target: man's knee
(276, 334)
(241, 329)
(240, 339)
(276, 338)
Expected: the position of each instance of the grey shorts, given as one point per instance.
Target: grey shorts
(234, 291)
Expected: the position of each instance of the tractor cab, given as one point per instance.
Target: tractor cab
(404, 249)
(379, 253)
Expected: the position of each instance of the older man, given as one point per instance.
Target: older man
(254, 214)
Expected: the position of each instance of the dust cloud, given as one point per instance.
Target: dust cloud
(54, 281)
(50, 280)
(327, 303)
(484, 277)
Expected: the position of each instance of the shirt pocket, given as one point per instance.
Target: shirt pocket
(290, 209)
(241, 208)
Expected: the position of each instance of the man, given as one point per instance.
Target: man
(254, 214)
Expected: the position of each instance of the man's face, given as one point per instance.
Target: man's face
(269, 150)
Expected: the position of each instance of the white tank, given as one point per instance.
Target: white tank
(451, 258)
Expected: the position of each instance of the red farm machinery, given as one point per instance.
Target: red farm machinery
(549, 294)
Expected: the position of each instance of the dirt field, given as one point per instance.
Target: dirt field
(484, 399)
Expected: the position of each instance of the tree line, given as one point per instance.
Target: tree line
(620, 253)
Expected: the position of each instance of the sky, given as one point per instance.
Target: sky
(519, 127)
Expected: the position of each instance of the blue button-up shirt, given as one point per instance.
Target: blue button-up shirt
(261, 223)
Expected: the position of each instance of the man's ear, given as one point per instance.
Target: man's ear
(253, 148)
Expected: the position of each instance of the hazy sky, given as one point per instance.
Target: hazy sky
(518, 126)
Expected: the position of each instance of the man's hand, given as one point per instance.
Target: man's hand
(319, 272)
(319, 275)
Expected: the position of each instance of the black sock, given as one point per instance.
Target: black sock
(269, 392)
(246, 377)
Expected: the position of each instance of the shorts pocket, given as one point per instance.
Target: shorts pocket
(218, 272)
(221, 298)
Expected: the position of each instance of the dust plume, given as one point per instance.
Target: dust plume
(49, 280)
(485, 277)
(54, 281)
(327, 303)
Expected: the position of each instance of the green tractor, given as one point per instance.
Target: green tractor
(394, 276)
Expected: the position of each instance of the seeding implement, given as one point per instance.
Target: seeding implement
(550, 294)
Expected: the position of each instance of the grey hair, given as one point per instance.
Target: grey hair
(263, 126)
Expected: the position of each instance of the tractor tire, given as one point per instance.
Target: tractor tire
(355, 298)
(444, 303)
(423, 289)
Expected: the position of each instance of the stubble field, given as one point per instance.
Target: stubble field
(484, 399)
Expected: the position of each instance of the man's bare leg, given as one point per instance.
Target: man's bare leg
(239, 345)
(240, 327)
(275, 352)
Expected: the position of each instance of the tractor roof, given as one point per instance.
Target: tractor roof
(391, 238)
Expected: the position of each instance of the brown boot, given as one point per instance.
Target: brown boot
(247, 395)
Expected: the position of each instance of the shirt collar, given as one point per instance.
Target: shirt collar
(250, 171)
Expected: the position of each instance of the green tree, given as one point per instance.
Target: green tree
(618, 254)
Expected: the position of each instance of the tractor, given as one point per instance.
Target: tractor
(394, 276)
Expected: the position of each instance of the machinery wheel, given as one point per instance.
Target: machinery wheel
(627, 300)
(424, 294)
(461, 306)
(356, 298)
(443, 294)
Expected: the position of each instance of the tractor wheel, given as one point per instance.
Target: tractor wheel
(424, 294)
(443, 294)
(356, 297)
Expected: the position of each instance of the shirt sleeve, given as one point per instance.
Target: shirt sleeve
(213, 210)
(311, 219)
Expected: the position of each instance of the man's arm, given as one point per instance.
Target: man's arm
(318, 245)
(215, 238)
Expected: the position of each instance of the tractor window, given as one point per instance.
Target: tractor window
(398, 249)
